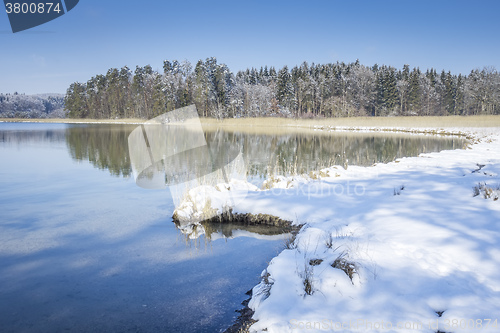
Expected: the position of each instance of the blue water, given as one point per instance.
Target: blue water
(84, 250)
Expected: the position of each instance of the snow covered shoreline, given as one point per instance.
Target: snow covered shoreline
(422, 244)
(397, 247)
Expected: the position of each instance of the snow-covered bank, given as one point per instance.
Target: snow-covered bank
(421, 250)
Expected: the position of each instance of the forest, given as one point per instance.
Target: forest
(305, 91)
(32, 106)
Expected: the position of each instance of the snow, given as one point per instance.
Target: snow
(424, 250)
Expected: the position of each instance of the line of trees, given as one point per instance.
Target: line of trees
(305, 91)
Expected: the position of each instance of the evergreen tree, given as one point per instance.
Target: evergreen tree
(76, 101)
(414, 92)
(284, 90)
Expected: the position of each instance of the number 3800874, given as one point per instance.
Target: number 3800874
(32, 8)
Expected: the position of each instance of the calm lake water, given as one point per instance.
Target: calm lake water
(83, 248)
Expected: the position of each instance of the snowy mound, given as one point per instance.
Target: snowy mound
(204, 202)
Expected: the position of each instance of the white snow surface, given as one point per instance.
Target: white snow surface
(420, 242)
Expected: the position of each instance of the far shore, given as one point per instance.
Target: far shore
(73, 120)
(399, 122)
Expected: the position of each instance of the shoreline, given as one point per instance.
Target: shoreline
(356, 248)
(73, 121)
(475, 121)
(463, 126)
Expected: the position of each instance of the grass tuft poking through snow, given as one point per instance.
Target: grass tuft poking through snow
(348, 267)
(307, 276)
(488, 192)
(315, 262)
(289, 243)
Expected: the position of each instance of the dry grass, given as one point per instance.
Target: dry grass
(442, 122)
(348, 267)
(289, 242)
(74, 121)
(285, 125)
(488, 192)
(307, 281)
(315, 262)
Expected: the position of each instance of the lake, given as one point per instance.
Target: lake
(83, 248)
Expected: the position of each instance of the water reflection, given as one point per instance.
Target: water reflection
(103, 145)
(207, 231)
(29, 133)
(292, 153)
(106, 147)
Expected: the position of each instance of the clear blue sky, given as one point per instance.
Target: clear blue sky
(99, 34)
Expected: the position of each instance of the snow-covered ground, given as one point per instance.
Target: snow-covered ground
(421, 248)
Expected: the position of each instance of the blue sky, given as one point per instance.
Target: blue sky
(99, 34)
